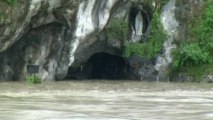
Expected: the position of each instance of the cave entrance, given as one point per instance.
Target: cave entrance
(106, 66)
(101, 66)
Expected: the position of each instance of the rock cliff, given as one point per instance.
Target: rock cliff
(65, 37)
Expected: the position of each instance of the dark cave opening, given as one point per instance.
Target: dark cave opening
(100, 66)
(107, 66)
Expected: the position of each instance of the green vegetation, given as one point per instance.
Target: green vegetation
(197, 51)
(198, 71)
(74, 3)
(33, 79)
(163, 2)
(10, 2)
(202, 32)
(190, 54)
(2, 16)
(118, 29)
(153, 46)
(159, 4)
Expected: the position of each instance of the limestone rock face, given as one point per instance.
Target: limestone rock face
(43, 46)
(59, 34)
(17, 19)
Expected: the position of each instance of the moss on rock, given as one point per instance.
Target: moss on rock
(153, 46)
(118, 29)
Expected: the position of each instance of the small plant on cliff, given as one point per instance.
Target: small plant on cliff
(74, 3)
(118, 29)
(2, 16)
(154, 45)
(10, 2)
(159, 4)
(33, 79)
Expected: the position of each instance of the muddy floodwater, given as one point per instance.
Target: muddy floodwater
(106, 100)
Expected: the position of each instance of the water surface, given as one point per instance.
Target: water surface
(106, 100)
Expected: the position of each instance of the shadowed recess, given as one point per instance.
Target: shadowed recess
(100, 66)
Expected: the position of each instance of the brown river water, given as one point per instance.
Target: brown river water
(106, 100)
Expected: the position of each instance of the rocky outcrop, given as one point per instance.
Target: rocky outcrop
(17, 19)
(58, 35)
(170, 25)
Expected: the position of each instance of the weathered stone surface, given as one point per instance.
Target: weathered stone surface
(43, 46)
(208, 78)
(17, 19)
(186, 11)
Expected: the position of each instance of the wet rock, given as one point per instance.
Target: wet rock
(208, 78)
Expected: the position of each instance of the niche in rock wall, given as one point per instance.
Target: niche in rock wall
(100, 66)
(139, 23)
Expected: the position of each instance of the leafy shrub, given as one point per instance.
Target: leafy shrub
(33, 79)
(198, 71)
(147, 50)
(154, 45)
(118, 29)
(189, 54)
